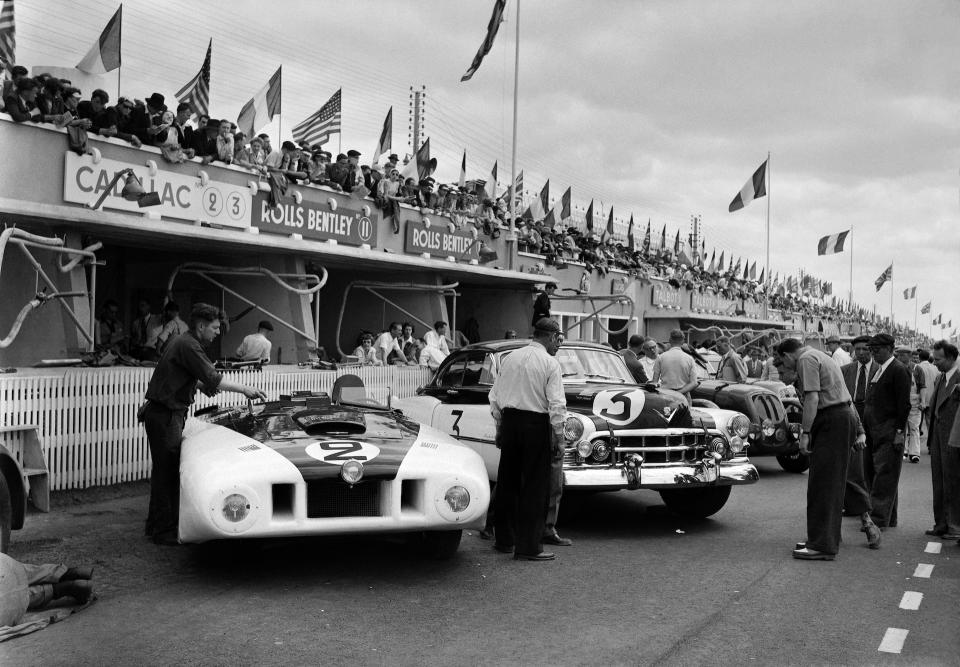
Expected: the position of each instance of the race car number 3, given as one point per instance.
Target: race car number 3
(619, 406)
(338, 452)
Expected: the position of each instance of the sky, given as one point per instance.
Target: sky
(660, 109)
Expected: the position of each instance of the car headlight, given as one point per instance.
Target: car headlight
(584, 448)
(781, 434)
(768, 427)
(737, 445)
(457, 498)
(739, 425)
(572, 428)
(719, 445)
(601, 450)
(236, 507)
(351, 471)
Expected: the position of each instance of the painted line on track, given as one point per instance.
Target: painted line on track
(933, 547)
(911, 600)
(893, 640)
(923, 571)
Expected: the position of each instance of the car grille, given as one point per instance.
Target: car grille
(328, 499)
(694, 448)
(769, 407)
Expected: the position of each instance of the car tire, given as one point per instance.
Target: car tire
(440, 544)
(795, 462)
(6, 514)
(697, 502)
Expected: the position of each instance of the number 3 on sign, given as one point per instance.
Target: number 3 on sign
(619, 406)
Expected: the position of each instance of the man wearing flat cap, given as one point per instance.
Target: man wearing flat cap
(885, 415)
(838, 353)
(528, 406)
(256, 346)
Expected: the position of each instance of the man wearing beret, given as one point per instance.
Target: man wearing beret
(885, 420)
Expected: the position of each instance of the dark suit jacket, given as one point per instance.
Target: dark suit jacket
(944, 413)
(541, 307)
(888, 398)
(18, 110)
(849, 372)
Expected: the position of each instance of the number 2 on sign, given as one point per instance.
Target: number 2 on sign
(456, 428)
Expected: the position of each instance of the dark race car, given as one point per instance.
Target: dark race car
(618, 435)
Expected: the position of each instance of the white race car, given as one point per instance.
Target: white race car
(310, 464)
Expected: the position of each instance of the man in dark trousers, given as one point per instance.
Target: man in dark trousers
(885, 420)
(182, 367)
(528, 405)
(541, 307)
(856, 499)
(829, 429)
(944, 453)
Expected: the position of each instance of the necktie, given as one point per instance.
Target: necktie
(860, 392)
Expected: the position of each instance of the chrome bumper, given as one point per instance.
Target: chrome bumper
(661, 475)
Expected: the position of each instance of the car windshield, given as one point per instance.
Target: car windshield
(579, 364)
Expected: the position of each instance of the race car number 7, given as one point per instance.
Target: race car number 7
(457, 414)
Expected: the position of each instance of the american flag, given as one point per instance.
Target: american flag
(8, 34)
(197, 92)
(317, 128)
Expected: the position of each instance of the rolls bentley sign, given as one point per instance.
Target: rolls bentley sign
(316, 220)
(439, 241)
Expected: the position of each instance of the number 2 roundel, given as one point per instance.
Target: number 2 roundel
(619, 406)
(338, 452)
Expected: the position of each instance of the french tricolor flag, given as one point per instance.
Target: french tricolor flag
(104, 55)
(831, 245)
(755, 188)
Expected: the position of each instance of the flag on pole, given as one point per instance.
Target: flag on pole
(910, 292)
(676, 244)
(490, 187)
(589, 217)
(197, 91)
(646, 239)
(463, 168)
(104, 55)
(609, 230)
(631, 245)
(755, 188)
(926, 307)
(538, 207)
(720, 263)
(663, 237)
(762, 271)
(515, 191)
(713, 262)
(753, 271)
(551, 220)
(386, 138)
(8, 34)
(422, 165)
(259, 111)
(884, 277)
(936, 320)
(565, 205)
(832, 244)
(492, 29)
(317, 128)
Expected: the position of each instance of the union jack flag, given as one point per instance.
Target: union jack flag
(884, 277)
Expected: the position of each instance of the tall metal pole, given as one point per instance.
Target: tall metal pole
(916, 300)
(768, 215)
(851, 267)
(891, 296)
(512, 232)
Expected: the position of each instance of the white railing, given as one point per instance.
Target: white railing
(88, 416)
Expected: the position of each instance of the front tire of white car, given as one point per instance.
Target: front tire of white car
(440, 544)
(696, 503)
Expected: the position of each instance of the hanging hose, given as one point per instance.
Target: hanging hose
(33, 304)
(250, 270)
(614, 299)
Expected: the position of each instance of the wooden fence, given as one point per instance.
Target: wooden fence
(87, 416)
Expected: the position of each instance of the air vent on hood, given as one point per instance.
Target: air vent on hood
(334, 419)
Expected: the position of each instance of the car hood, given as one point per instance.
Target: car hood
(623, 406)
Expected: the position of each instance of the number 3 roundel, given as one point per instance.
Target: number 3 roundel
(338, 452)
(619, 406)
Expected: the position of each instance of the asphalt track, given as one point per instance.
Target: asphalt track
(639, 587)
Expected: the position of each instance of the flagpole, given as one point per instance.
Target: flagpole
(512, 233)
(916, 307)
(851, 265)
(768, 212)
(891, 296)
(118, 81)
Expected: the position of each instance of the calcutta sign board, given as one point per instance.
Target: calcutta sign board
(315, 220)
(181, 196)
(439, 241)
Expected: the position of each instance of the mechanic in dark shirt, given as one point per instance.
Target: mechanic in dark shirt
(541, 307)
(170, 393)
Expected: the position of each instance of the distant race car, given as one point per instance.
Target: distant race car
(313, 464)
(618, 435)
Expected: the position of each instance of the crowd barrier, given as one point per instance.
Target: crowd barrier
(87, 416)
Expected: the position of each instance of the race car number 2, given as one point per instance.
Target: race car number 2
(338, 452)
(619, 406)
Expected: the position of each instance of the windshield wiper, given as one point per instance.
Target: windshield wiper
(601, 376)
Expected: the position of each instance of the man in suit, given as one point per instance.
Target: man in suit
(541, 307)
(731, 367)
(885, 420)
(755, 362)
(856, 497)
(944, 452)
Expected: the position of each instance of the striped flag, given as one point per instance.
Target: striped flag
(463, 169)
(104, 55)
(386, 135)
(261, 108)
(422, 165)
(565, 205)
(8, 34)
(538, 207)
(755, 188)
(926, 307)
(551, 220)
(884, 277)
(631, 245)
(830, 245)
(197, 91)
(910, 292)
(492, 29)
(937, 319)
(317, 128)
(589, 217)
(490, 188)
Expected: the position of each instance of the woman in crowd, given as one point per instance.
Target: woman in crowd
(365, 351)
(253, 156)
(389, 196)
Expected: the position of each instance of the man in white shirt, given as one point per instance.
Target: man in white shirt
(528, 407)
(838, 353)
(388, 343)
(678, 370)
(651, 360)
(256, 346)
(438, 338)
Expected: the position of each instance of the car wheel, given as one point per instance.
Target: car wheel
(440, 544)
(6, 515)
(697, 502)
(795, 462)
